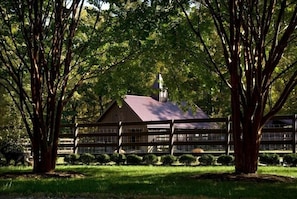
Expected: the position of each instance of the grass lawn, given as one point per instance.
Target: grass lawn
(145, 182)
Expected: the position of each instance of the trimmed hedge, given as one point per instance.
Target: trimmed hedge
(269, 159)
(207, 159)
(225, 159)
(290, 159)
(103, 158)
(87, 158)
(118, 158)
(187, 159)
(72, 158)
(134, 159)
(168, 159)
(150, 159)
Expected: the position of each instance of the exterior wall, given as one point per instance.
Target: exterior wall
(116, 114)
(125, 114)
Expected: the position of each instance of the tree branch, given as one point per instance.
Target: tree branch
(205, 47)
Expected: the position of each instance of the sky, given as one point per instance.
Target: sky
(105, 6)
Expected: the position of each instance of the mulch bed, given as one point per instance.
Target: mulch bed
(245, 177)
(41, 175)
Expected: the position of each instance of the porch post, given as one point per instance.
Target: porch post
(120, 129)
(75, 138)
(171, 147)
(228, 135)
(294, 133)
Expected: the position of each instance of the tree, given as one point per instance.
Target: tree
(38, 48)
(256, 40)
(50, 48)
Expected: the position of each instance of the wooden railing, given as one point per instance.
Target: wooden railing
(167, 138)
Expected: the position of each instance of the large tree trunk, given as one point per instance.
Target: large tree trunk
(44, 160)
(246, 155)
(44, 153)
(45, 140)
(247, 131)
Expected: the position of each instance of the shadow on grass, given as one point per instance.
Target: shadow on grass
(146, 181)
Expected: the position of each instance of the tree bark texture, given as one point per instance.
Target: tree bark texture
(45, 142)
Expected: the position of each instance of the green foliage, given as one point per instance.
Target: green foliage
(72, 158)
(118, 158)
(11, 127)
(290, 159)
(207, 159)
(11, 150)
(168, 159)
(269, 159)
(225, 159)
(124, 39)
(103, 158)
(10, 146)
(187, 159)
(134, 159)
(164, 43)
(10, 118)
(179, 56)
(150, 159)
(2, 161)
(87, 158)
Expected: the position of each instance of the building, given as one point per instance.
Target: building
(143, 124)
(157, 107)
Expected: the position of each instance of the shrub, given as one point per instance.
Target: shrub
(134, 159)
(290, 159)
(12, 150)
(150, 159)
(168, 159)
(103, 158)
(269, 159)
(87, 158)
(72, 158)
(2, 162)
(118, 158)
(207, 159)
(187, 159)
(225, 159)
(10, 146)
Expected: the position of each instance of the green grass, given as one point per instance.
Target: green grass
(147, 182)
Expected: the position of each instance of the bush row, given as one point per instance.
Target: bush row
(186, 159)
(149, 159)
(275, 159)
